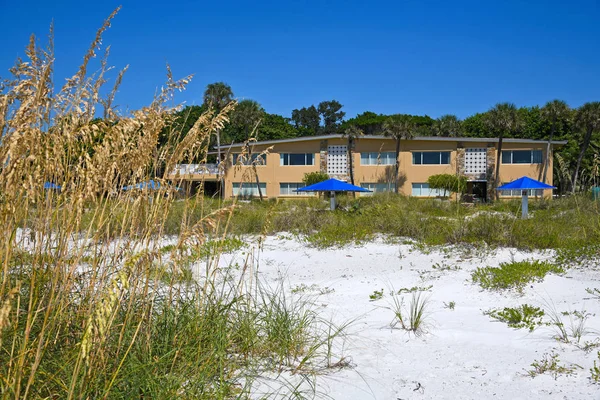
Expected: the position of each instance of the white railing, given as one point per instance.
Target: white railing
(195, 169)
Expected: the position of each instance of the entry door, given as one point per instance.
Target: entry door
(337, 160)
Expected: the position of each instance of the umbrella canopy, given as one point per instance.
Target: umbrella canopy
(51, 185)
(332, 185)
(525, 183)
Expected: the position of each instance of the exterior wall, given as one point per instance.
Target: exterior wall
(273, 173)
(510, 172)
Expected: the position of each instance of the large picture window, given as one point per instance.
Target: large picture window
(249, 189)
(431, 157)
(423, 190)
(518, 193)
(377, 187)
(243, 159)
(289, 189)
(375, 158)
(297, 159)
(521, 156)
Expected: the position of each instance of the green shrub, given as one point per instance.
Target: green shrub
(551, 364)
(449, 183)
(595, 371)
(311, 178)
(524, 316)
(513, 275)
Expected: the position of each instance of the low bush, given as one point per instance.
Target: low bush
(513, 275)
(524, 316)
(550, 364)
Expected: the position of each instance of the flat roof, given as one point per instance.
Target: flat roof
(380, 137)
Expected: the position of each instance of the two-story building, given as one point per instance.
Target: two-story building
(280, 165)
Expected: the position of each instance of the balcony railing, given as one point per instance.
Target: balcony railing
(195, 169)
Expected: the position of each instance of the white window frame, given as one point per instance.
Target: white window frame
(519, 193)
(248, 189)
(282, 160)
(378, 158)
(377, 187)
(255, 156)
(433, 151)
(430, 193)
(291, 189)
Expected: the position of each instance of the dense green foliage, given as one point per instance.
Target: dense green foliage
(513, 275)
(449, 183)
(524, 316)
(311, 178)
(571, 224)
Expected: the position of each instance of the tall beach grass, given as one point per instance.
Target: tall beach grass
(94, 303)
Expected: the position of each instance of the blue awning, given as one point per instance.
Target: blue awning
(332, 185)
(525, 183)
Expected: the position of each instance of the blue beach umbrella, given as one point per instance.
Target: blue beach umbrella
(332, 186)
(51, 186)
(525, 184)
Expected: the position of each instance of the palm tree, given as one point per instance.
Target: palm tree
(353, 132)
(502, 119)
(588, 122)
(247, 116)
(553, 112)
(447, 125)
(398, 129)
(217, 95)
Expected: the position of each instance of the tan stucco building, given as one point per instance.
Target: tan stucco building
(281, 164)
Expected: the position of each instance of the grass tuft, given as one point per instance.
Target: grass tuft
(414, 317)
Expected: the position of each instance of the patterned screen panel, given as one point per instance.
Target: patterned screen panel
(475, 161)
(337, 160)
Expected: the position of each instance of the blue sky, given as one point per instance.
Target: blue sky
(417, 57)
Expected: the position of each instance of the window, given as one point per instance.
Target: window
(431, 157)
(289, 189)
(385, 158)
(378, 187)
(521, 156)
(423, 190)
(257, 159)
(518, 193)
(248, 189)
(297, 159)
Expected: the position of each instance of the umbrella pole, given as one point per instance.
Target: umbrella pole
(332, 201)
(524, 204)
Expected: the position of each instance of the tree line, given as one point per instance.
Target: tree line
(576, 165)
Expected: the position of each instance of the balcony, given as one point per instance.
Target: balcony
(195, 172)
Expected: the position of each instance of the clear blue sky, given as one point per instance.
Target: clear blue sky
(417, 57)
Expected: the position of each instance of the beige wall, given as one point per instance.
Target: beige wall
(273, 173)
(510, 172)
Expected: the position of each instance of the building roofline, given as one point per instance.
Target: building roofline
(422, 138)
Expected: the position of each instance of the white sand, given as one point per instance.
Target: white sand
(465, 354)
